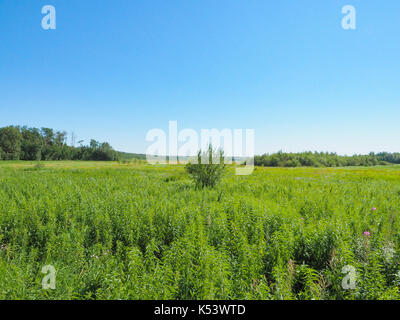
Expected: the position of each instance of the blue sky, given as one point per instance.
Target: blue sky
(113, 70)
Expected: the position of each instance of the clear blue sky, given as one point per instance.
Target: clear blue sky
(112, 70)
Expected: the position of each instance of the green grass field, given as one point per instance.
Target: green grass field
(136, 231)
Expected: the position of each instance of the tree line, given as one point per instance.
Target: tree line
(23, 143)
(324, 159)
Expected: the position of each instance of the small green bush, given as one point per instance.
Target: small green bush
(209, 168)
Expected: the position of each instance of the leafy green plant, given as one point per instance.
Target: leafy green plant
(208, 169)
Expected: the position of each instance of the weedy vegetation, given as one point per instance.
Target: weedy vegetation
(136, 231)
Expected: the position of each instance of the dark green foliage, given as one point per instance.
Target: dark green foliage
(322, 159)
(208, 169)
(32, 144)
(10, 143)
(389, 157)
(23, 143)
(97, 151)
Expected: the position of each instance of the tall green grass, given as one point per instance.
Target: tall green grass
(117, 231)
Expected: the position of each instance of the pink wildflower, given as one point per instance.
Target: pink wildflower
(366, 233)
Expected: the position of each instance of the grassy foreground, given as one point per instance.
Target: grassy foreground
(134, 231)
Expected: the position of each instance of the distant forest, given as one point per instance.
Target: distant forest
(325, 159)
(23, 143)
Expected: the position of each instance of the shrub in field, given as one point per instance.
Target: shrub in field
(209, 168)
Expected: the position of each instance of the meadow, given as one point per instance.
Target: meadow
(136, 231)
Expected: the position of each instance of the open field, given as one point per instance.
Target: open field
(136, 231)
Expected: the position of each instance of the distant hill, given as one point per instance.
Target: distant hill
(129, 156)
